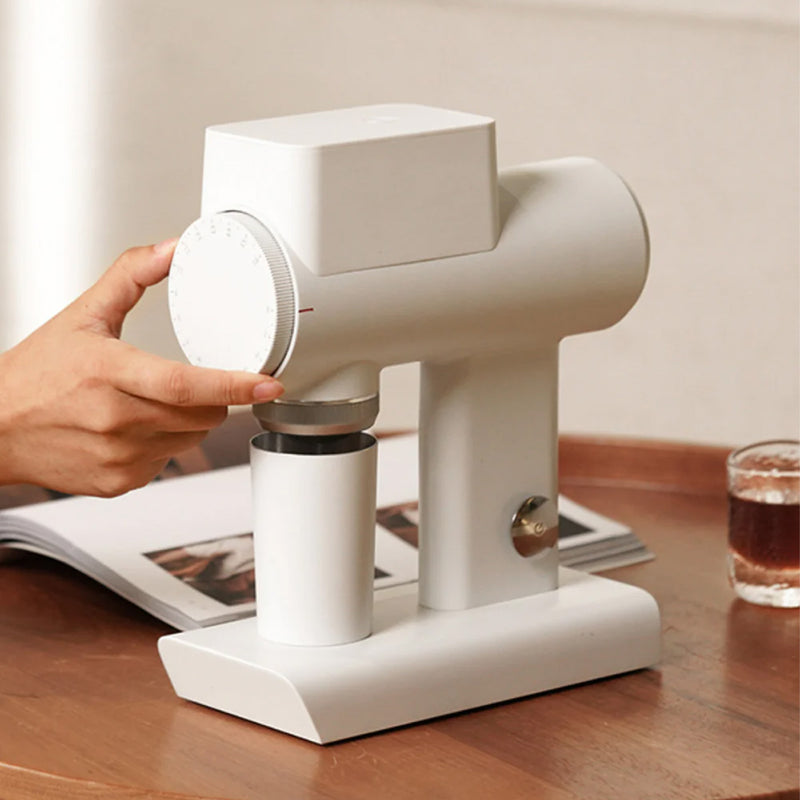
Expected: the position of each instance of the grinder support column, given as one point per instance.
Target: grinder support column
(488, 443)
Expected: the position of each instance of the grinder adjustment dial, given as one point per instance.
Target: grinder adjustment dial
(231, 294)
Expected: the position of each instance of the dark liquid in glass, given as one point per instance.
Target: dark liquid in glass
(767, 534)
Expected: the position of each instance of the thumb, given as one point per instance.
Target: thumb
(123, 283)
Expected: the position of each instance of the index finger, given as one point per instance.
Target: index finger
(173, 383)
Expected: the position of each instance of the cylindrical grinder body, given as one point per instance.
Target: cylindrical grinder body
(572, 257)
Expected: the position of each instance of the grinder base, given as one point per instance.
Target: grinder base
(418, 663)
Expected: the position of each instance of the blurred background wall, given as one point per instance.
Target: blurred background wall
(695, 102)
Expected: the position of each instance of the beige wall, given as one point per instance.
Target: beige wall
(696, 107)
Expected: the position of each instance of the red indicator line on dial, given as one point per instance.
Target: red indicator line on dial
(303, 310)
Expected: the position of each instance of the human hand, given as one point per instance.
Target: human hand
(85, 413)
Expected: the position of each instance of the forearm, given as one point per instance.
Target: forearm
(10, 471)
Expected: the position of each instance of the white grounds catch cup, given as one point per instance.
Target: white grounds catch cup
(314, 537)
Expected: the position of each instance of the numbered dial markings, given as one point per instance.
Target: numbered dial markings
(231, 295)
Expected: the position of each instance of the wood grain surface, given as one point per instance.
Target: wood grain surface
(86, 710)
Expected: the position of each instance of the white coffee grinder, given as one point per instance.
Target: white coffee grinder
(332, 245)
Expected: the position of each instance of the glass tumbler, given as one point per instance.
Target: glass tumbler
(764, 523)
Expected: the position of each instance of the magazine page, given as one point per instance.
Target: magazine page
(182, 548)
(587, 540)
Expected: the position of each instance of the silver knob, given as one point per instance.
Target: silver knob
(534, 527)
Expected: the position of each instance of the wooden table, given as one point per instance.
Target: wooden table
(86, 710)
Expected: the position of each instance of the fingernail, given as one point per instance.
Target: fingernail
(266, 391)
(167, 246)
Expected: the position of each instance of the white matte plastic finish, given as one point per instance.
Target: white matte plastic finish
(571, 257)
(314, 542)
(418, 663)
(358, 188)
(487, 442)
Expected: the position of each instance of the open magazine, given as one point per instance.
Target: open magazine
(182, 549)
